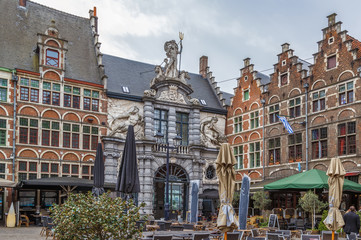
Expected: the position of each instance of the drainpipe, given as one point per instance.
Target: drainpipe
(306, 121)
(263, 137)
(15, 80)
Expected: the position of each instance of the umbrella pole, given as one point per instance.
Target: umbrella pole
(225, 236)
(333, 235)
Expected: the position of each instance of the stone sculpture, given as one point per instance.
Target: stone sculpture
(211, 136)
(119, 125)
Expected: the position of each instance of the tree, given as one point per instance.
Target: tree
(310, 203)
(84, 216)
(260, 200)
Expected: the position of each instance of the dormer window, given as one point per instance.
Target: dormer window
(52, 58)
(203, 102)
(125, 89)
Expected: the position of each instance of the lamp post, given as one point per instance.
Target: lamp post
(176, 141)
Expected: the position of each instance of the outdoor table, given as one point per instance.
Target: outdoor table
(216, 236)
(295, 234)
(184, 236)
(246, 233)
(197, 227)
(152, 227)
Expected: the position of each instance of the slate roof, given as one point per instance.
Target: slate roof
(18, 38)
(265, 79)
(137, 76)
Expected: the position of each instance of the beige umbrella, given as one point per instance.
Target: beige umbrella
(336, 173)
(227, 219)
(7, 183)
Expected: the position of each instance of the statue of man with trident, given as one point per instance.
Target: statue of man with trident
(171, 49)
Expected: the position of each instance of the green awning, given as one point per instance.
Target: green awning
(309, 180)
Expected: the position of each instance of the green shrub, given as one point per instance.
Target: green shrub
(83, 216)
(321, 225)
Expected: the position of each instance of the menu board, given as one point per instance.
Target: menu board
(273, 220)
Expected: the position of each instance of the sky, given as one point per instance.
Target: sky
(227, 31)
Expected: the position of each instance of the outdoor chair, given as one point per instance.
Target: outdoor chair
(24, 220)
(167, 226)
(327, 235)
(310, 237)
(200, 236)
(161, 226)
(292, 224)
(162, 237)
(49, 228)
(254, 238)
(44, 222)
(177, 228)
(274, 236)
(233, 236)
(254, 232)
(285, 233)
(188, 226)
(300, 224)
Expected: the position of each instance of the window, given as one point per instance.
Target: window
(295, 107)
(51, 93)
(254, 120)
(52, 58)
(91, 100)
(3, 90)
(28, 131)
(2, 132)
(345, 93)
(90, 137)
(347, 138)
(274, 111)
(319, 143)
(210, 172)
(70, 170)
(50, 133)
(3, 170)
(161, 122)
(87, 172)
(29, 90)
(319, 101)
(331, 62)
(274, 150)
(203, 102)
(295, 147)
(237, 125)
(254, 155)
(27, 170)
(54, 170)
(284, 79)
(125, 89)
(70, 135)
(245, 95)
(238, 154)
(71, 96)
(182, 127)
(331, 40)
(45, 170)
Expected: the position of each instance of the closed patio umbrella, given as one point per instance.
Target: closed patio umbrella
(194, 203)
(128, 177)
(336, 173)
(227, 219)
(243, 202)
(98, 187)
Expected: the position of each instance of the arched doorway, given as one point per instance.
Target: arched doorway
(178, 191)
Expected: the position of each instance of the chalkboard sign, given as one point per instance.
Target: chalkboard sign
(273, 220)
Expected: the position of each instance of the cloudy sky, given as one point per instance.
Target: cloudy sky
(226, 31)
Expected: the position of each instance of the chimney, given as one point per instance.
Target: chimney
(203, 64)
(331, 19)
(94, 20)
(285, 47)
(22, 3)
(246, 62)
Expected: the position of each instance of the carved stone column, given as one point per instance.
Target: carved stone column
(112, 154)
(148, 119)
(194, 129)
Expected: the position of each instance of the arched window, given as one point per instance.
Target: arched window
(52, 58)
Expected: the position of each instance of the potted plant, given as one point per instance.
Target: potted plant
(261, 201)
(311, 204)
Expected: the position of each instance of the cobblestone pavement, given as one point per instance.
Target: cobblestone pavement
(21, 233)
